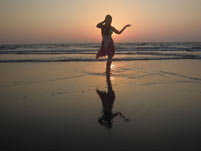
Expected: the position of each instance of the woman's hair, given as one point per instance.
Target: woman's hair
(108, 19)
(106, 28)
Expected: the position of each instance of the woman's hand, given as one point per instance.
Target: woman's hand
(100, 25)
(127, 25)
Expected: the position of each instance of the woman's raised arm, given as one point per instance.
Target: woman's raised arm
(100, 25)
(119, 32)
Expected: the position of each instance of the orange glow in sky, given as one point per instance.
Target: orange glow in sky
(48, 21)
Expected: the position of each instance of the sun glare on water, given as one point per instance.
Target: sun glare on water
(112, 66)
(113, 72)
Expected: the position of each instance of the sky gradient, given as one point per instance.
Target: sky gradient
(60, 21)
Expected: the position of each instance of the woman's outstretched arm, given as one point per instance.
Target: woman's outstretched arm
(119, 32)
(99, 25)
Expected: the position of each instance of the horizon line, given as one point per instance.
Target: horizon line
(97, 42)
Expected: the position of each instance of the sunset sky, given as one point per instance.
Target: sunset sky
(59, 21)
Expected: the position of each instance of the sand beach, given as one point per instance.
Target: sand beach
(55, 106)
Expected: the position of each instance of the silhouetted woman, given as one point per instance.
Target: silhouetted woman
(107, 47)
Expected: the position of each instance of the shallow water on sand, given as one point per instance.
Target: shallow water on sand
(144, 105)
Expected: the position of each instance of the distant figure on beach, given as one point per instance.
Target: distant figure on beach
(108, 99)
(107, 47)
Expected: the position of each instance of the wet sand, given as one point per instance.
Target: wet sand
(143, 105)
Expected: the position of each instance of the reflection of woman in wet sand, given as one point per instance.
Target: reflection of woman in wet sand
(107, 47)
(108, 99)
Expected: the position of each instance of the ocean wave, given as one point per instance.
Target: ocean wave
(75, 52)
(98, 60)
(185, 46)
(92, 51)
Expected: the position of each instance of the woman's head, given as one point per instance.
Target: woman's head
(108, 19)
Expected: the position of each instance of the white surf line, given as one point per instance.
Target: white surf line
(180, 75)
(67, 78)
(165, 74)
(41, 81)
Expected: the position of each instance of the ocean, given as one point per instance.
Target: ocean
(86, 52)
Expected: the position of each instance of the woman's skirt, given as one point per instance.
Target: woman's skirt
(109, 50)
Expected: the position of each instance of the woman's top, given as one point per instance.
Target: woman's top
(107, 46)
